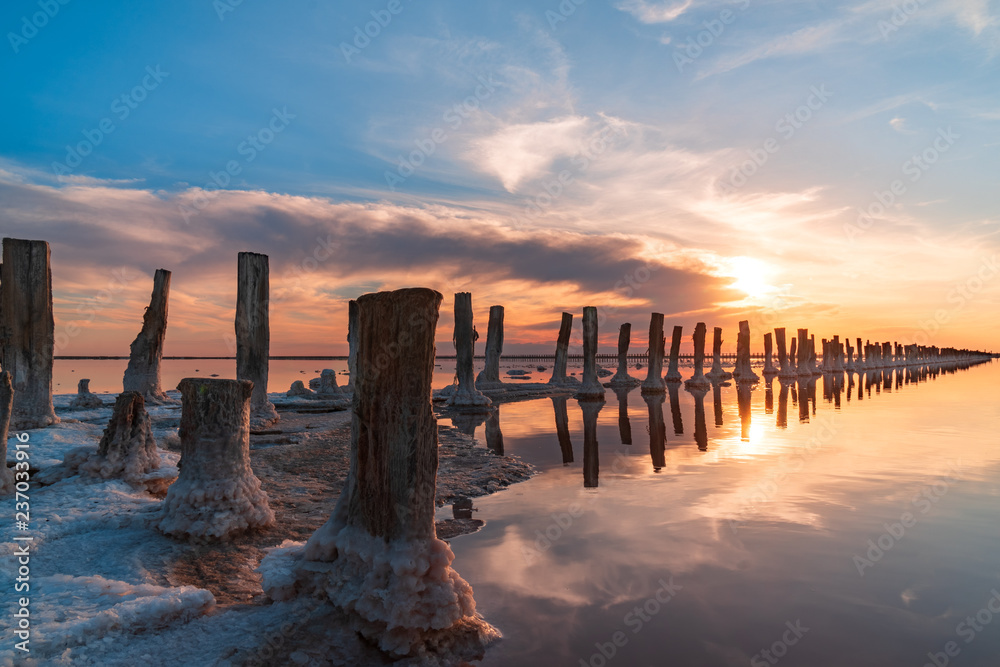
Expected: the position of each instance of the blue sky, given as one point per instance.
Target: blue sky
(624, 123)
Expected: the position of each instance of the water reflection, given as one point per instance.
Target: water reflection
(768, 393)
(591, 458)
(700, 429)
(562, 428)
(717, 402)
(494, 436)
(675, 407)
(782, 419)
(657, 430)
(744, 391)
(624, 425)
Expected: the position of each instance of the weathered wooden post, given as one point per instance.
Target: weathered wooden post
(378, 557)
(562, 352)
(654, 384)
(216, 495)
(591, 389)
(84, 399)
(784, 367)
(717, 374)
(743, 372)
(352, 343)
(146, 351)
(698, 380)
(489, 377)
(466, 395)
(127, 449)
(7, 479)
(622, 378)
(673, 370)
(838, 355)
(793, 359)
(27, 331)
(769, 368)
(802, 363)
(253, 333)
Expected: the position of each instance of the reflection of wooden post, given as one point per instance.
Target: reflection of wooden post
(7, 481)
(591, 456)
(653, 384)
(657, 430)
(700, 428)
(675, 408)
(769, 396)
(494, 436)
(591, 387)
(624, 424)
(146, 352)
(673, 371)
(490, 375)
(562, 350)
(782, 418)
(253, 334)
(717, 402)
(27, 331)
(743, 391)
(216, 494)
(562, 428)
(698, 380)
(803, 401)
(465, 395)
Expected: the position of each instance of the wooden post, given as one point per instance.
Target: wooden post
(27, 331)
(253, 334)
(562, 351)
(466, 395)
(622, 378)
(352, 342)
(673, 370)
(127, 449)
(216, 495)
(146, 352)
(717, 374)
(378, 557)
(84, 399)
(7, 480)
(591, 389)
(769, 368)
(654, 384)
(743, 372)
(489, 377)
(698, 380)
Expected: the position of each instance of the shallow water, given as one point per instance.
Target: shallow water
(757, 529)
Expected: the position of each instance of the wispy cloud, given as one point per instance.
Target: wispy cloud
(654, 12)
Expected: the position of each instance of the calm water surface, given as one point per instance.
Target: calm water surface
(787, 516)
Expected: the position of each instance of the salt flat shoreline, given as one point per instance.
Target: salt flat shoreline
(302, 462)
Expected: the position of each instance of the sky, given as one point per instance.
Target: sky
(797, 164)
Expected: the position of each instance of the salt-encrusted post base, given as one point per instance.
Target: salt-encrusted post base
(127, 449)
(591, 388)
(489, 377)
(27, 331)
(378, 557)
(673, 370)
(216, 495)
(654, 384)
(7, 480)
(466, 395)
(253, 334)
(146, 352)
(84, 399)
(698, 380)
(622, 378)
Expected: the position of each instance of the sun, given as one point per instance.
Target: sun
(750, 276)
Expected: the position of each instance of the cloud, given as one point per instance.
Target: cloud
(654, 12)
